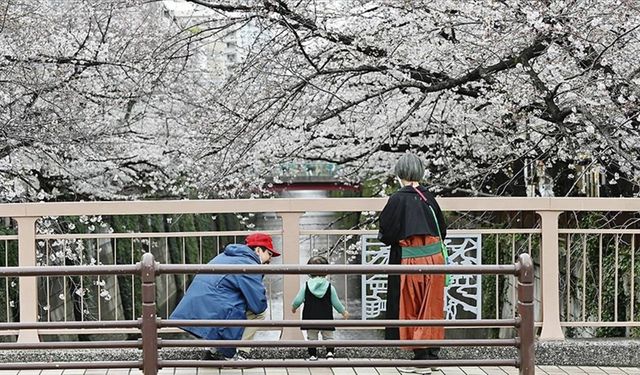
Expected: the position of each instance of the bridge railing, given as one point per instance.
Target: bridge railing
(570, 282)
(149, 323)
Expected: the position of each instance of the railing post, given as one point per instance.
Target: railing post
(526, 312)
(550, 271)
(149, 318)
(290, 255)
(28, 286)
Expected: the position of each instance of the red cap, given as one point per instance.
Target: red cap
(263, 240)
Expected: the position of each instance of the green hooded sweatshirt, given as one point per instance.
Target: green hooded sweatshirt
(318, 286)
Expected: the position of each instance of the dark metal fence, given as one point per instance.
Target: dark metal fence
(149, 323)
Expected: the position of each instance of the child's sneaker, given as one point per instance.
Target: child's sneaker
(407, 370)
(414, 370)
(239, 356)
(329, 355)
(312, 358)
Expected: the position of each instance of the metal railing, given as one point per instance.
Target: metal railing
(558, 252)
(149, 323)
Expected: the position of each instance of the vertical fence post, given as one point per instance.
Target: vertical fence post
(149, 318)
(549, 274)
(525, 310)
(28, 286)
(290, 255)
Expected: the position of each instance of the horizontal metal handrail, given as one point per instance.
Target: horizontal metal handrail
(342, 323)
(309, 204)
(336, 343)
(73, 324)
(123, 269)
(256, 269)
(305, 232)
(598, 231)
(145, 235)
(507, 269)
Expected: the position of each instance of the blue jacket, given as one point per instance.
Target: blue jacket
(223, 296)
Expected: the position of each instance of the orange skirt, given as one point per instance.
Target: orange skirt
(422, 298)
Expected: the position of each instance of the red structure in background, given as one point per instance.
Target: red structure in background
(317, 176)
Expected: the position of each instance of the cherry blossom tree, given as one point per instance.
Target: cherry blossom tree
(111, 98)
(119, 99)
(484, 90)
(87, 100)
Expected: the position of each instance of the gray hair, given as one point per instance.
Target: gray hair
(409, 168)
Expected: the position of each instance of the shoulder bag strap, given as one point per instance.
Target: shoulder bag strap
(444, 250)
(424, 199)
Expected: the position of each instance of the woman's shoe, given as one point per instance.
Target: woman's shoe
(433, 354)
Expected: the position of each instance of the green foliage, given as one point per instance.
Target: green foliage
(9, 306)
(595, 275)
(496, 291)
(174, 250)
(128, 251)
(209, 244)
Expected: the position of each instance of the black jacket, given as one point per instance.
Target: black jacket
(405, 215)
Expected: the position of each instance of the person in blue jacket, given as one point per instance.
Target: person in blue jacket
(229, 296)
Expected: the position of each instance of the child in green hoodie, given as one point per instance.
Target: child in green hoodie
(319, 298)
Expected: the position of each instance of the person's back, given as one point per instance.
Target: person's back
(228, 296)
(319, 298)
(220, 296)
(413, 225)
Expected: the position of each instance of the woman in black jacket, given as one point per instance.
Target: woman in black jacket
(413, 225)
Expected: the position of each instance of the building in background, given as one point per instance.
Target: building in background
(222, 41)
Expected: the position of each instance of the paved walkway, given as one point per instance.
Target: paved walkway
(540, 370)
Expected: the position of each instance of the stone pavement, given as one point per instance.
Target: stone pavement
(540, 370)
